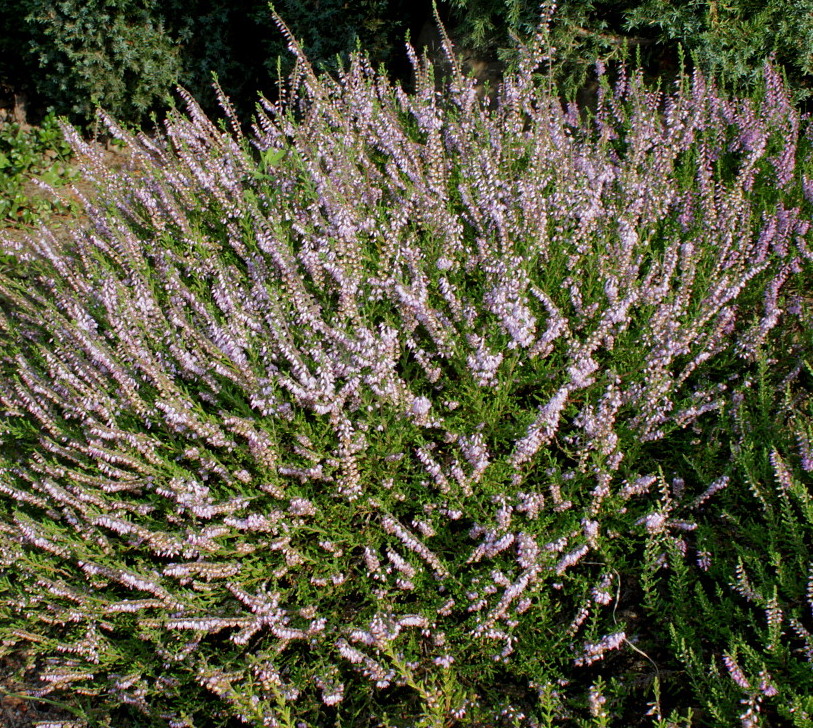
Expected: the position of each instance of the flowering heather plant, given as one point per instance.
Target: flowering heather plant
(743, 636)
(381, 416)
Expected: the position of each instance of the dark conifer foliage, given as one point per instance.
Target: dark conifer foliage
(128, 55)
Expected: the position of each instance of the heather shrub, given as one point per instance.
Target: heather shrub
(739, 624)
(406, 411)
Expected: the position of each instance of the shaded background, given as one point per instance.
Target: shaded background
(127, 55)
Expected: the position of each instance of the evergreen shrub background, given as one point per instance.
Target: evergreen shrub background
(127, 55)
(728, 40)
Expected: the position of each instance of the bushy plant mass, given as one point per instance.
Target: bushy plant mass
(127, 55)
(25, 153)
(407, 411)
(729, 40)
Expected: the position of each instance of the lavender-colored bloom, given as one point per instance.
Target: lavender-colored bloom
(542, 429)
(736, 672)
(596, 702)
(484, 365)
(570, 559)
(594, 651)
(715, 487)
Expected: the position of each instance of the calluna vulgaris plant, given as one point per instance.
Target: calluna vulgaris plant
(379, 418)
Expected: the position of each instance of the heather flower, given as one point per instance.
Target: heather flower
(600, 592)
(571, 558)
(638, 486)
(715, 487)
(654, 522)
(766, 687)
(594, 651)
(483, 364)
(578, 620)
(444, 661)
(805, 452)
(596, 702)
(542, 429)
(529, 504)
(736, 672)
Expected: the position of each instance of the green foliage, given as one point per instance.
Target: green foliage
(580, 33)
(110, 53)
(729, 40)
(739, 627)
(17, 63)
(241, 44)
(26, 153)
(741, 630)
(126, 56)
(335, 27)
